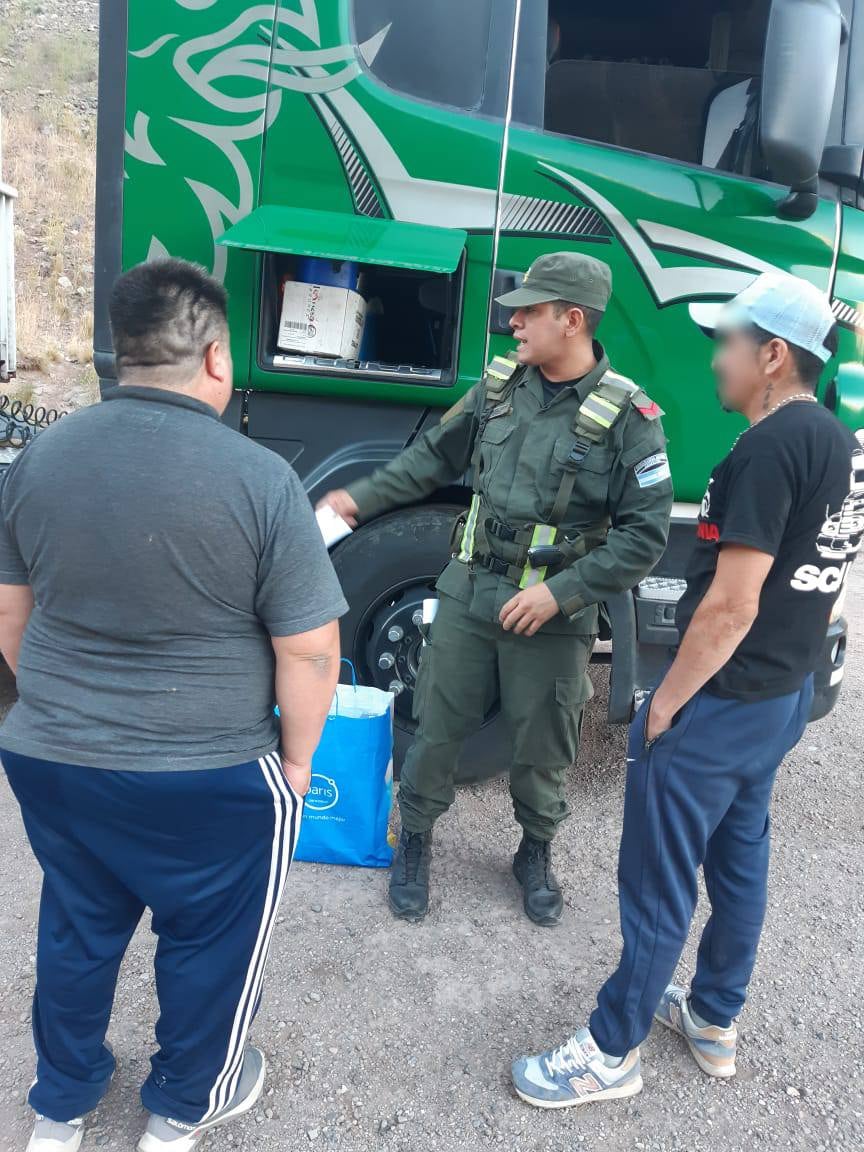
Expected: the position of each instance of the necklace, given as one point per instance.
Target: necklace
(807, 397)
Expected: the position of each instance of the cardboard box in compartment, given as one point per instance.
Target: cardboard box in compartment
(321, 321)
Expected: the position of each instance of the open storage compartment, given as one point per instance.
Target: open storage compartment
(382, 297)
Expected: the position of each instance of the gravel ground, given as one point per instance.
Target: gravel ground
(383, 1037)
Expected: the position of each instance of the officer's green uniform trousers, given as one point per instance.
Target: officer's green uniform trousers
(518, 448)
(543, 685)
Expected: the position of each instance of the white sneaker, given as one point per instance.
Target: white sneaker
(52, 1136)
(166, 1135)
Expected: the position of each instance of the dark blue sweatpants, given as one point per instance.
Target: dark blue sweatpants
(700, 794)
(208, 852)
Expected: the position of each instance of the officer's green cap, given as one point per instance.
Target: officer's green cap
(566, 276)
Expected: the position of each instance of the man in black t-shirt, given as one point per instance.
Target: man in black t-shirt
(780, 524)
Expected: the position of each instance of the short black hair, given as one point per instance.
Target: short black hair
(166, 314)
(593, 316)
(808, 366)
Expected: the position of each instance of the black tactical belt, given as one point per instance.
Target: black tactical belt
(493, 564)
(501, 531)
(543, 556)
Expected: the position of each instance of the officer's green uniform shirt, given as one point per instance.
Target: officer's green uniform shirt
(523, 451)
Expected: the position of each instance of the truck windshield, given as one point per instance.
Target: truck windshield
(436, 51)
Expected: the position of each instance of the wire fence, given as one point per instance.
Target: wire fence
(20, 424)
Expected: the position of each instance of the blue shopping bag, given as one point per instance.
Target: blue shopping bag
(348, 804)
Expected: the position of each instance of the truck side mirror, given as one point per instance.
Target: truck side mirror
(802, 56)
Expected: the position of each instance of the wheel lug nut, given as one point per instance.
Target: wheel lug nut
(396, 686)
(386, 660)
(395, 634)
(417, 618)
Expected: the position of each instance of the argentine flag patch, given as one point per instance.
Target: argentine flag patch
(652, 470)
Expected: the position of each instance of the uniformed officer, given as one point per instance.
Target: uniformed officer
(572, 495)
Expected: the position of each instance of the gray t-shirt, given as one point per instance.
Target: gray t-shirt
(163, 550)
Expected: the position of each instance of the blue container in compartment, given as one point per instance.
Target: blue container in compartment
(332, 273)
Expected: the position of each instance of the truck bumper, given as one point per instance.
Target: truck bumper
(645, 639)
(828, 676)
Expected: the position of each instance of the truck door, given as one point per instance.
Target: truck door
(645, 153)
(847, 396)
(646, 156)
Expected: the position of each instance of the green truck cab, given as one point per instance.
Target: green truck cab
(434, 149)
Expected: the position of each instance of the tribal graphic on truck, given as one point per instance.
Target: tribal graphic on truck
(286, 55)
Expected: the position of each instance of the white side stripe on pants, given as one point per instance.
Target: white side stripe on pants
(288, 808)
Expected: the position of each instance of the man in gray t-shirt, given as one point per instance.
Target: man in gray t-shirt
(163, 584)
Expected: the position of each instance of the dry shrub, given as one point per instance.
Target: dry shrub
(20, 390)
(80, 348)
(36, 324)
(45, 59)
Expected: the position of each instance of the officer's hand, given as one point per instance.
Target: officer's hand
(343, 504)
(529, 610)
(299, 776)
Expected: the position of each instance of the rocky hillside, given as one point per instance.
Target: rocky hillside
(48, 71)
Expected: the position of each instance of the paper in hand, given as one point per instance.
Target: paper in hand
(333, 527)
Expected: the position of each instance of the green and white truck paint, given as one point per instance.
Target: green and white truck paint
(443, 146)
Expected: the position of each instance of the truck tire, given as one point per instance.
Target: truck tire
(387, 569)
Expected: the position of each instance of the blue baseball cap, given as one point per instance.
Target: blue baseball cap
(781, 304)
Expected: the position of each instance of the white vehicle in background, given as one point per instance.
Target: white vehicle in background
(19, 421)
(8, 348)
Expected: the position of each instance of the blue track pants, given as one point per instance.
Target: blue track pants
(700, 794)
(208, 852)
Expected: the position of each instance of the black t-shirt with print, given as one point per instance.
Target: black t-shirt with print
(784, 489)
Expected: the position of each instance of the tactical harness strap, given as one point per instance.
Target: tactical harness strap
(597, 415)
(499, 384)
(536, 546)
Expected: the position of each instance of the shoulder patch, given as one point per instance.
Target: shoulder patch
(645, 406)
(652, 470)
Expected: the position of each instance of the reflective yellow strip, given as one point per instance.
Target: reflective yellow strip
(590, 413)
(543, 535)
(500, 369)
(467, 549)
(601, 420)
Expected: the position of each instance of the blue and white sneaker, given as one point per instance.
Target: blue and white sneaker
(713, 1048)
(575, 1073)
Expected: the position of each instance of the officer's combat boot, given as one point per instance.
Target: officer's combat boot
(409, 877)
(532, 867)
